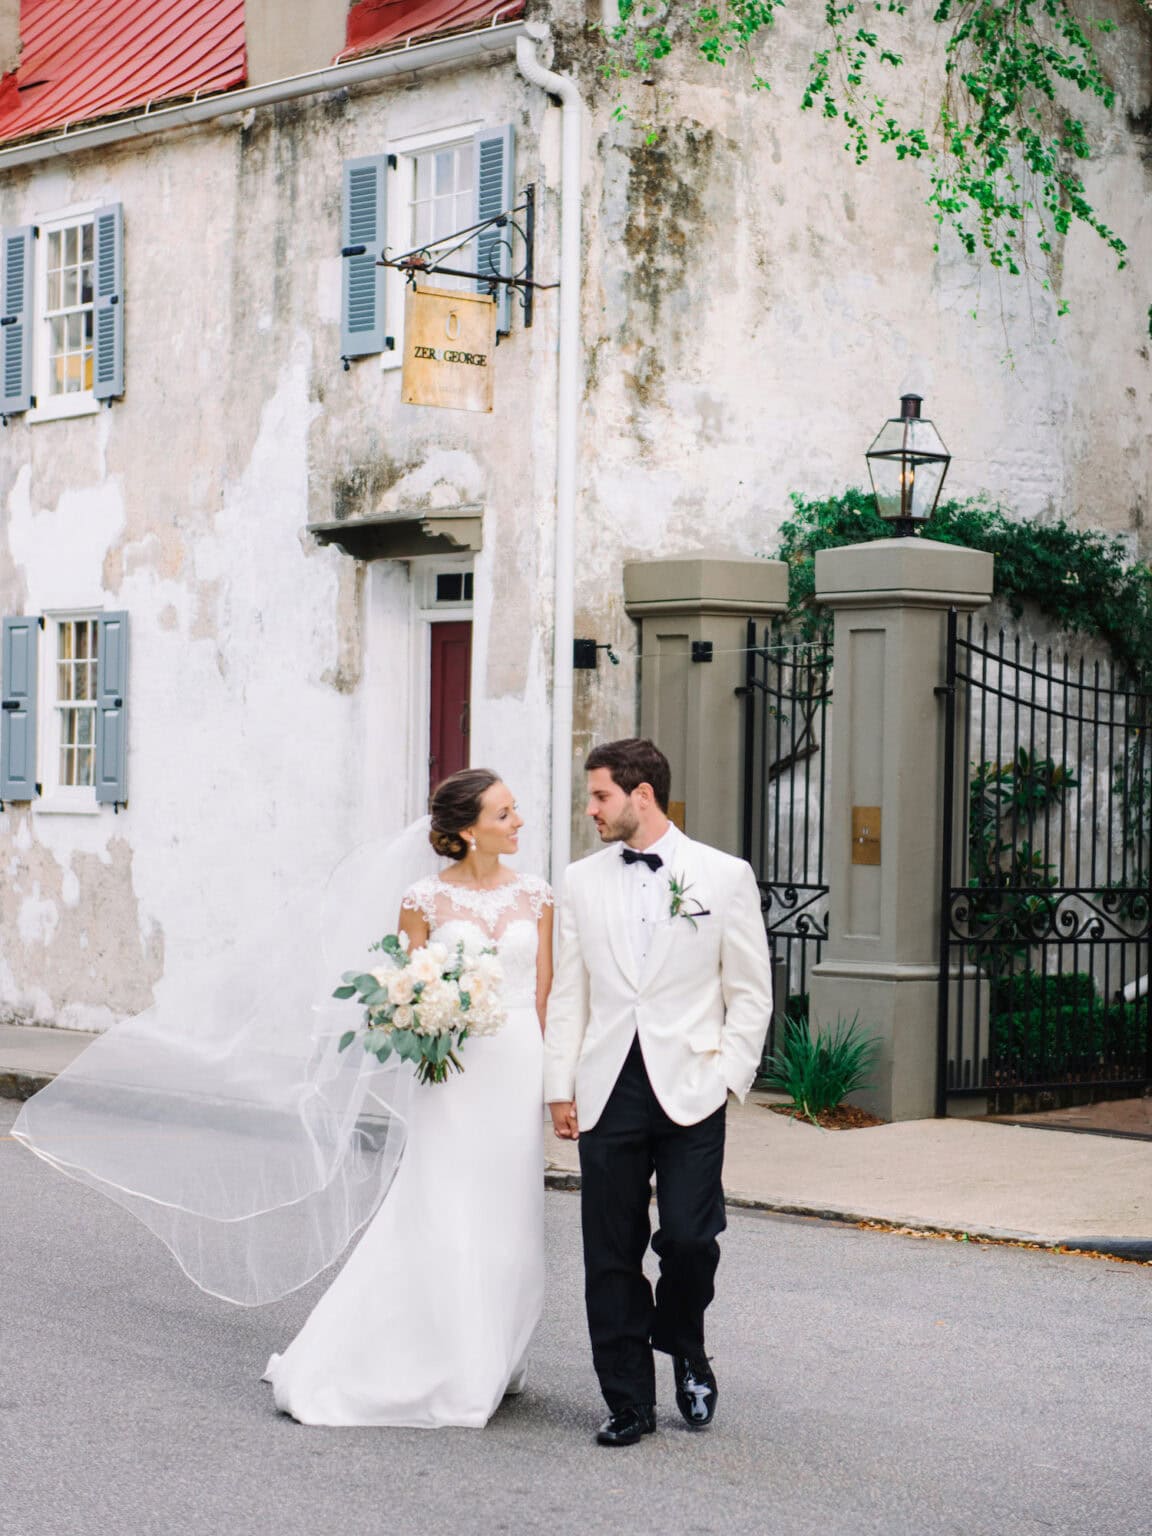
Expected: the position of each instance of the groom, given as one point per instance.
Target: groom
(659, 1009)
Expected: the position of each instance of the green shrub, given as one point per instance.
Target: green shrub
(797, 1006)
(1068, 1040)
(1031, 989)
(818, 1070)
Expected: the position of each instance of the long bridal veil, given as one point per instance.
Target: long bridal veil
(226, 1119)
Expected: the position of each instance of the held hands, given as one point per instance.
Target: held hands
(564, 1120)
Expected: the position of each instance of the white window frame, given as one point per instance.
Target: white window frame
(401, 183)
(55, 798)
(54, 407)
(430, 569)
(426, 612)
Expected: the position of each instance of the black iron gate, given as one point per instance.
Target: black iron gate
(1045, 939)
(786, 695)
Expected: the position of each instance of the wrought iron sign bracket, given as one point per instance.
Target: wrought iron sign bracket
(429, 260)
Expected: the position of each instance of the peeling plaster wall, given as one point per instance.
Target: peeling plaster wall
(271, 717)
(753, 306)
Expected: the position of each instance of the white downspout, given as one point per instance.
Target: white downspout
(567, 411)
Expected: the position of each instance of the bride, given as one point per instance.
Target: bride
(430, 1320)
(226, 1119)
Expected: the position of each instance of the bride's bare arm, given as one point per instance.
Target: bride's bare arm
(414, 925)
(543, 964)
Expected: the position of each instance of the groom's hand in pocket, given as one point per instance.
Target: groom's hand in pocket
(564, 1120)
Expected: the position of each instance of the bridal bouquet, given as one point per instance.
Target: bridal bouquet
(425, 1003)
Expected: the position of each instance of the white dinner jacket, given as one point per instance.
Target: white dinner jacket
(700, 1003)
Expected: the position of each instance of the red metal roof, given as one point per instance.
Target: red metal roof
(86, 59)
(375, 24)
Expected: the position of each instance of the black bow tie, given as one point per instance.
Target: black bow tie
(633, 856)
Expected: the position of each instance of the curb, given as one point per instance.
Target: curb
(1138, 1249)
(1135, 1248)
(22, 1085)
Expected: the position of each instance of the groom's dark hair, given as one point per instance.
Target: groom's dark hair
(632, 762)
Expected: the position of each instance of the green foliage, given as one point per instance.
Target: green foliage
(1067, 1042)
(818, 1071)
(1067, 989)
(797, 1006)
(645, 34)
(1004, 801)
(1056, 1026)
(998, 135)
(1079, 578)
(1021, 789)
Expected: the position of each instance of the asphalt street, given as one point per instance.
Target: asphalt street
(869, 1383)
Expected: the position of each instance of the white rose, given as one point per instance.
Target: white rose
(425, 966)
(485, 1017)
(401, 985)
(438, 1007)
(403, 1017)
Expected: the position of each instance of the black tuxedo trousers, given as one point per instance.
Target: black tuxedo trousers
(633, 1139)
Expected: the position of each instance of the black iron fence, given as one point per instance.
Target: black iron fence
(786, 696)
(1045, 937)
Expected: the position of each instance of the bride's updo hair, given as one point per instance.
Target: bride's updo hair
(455, 804)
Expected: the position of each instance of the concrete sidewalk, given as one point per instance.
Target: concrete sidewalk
(951, 1175)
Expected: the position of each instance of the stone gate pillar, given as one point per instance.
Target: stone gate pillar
(882, 820)
(693, 614)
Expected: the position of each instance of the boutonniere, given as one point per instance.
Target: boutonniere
(683, 905)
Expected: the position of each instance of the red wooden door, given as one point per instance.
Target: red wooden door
(451, 690)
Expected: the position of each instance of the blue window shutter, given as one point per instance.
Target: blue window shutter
(112, 710)
(494, 183)
(16, 320)
(18, 716)
(108, 368)
(364, 231)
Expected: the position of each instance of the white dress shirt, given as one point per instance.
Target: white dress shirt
(649, 896)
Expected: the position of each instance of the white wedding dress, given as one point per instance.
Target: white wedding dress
(429, 1322)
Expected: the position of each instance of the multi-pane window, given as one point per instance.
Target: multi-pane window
(68, 308)
(76, 659)
(454, 586)
(442, 202)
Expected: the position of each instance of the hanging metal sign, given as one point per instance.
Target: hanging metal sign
(449, 341)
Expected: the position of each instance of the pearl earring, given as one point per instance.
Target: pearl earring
(472, 844)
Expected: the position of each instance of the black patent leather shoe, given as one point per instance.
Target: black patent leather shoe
(696, 1390)
(626, 1426)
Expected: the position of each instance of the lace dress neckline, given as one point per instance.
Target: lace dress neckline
(442, 901)
(479, 890)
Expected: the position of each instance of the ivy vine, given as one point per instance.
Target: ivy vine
(1002, 141)
(1079, 578)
